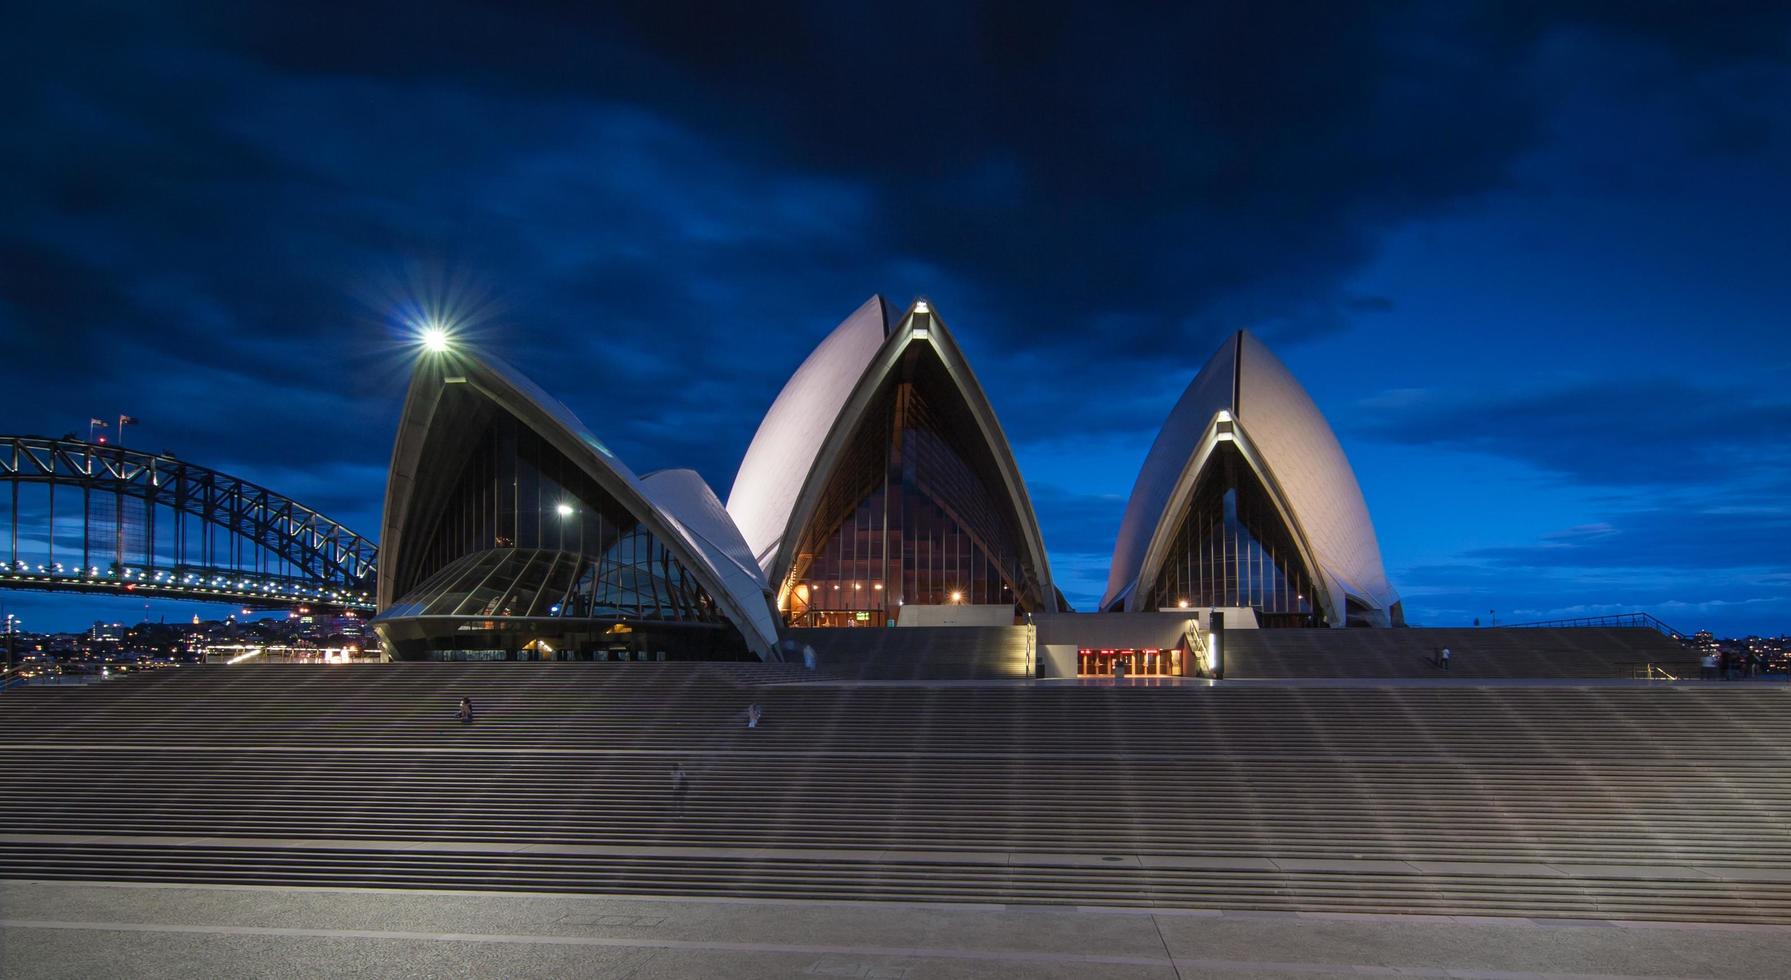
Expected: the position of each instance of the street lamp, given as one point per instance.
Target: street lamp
(435, 339)
(566, 511)
(12, 623)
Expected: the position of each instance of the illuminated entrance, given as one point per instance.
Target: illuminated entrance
(1146, 662)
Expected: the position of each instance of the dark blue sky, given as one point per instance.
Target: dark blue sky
(1530, 259)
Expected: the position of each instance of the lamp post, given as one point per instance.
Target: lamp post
(1215, 640)
(11, 627)
(1032, 668)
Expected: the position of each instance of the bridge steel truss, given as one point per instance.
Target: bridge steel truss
(154, 524)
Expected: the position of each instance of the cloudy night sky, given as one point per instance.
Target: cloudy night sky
(1531, 259)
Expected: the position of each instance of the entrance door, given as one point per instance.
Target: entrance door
(1147, 662)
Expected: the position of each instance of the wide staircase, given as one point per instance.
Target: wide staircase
(1610, 802)
(1492, 653)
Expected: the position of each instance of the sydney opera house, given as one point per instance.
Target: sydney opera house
(879, 492)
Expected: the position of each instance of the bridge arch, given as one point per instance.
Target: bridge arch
(152, 524)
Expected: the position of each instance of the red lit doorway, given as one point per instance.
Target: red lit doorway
(1147, 662)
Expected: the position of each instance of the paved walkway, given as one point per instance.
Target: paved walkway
(50, 929)
(1439, 679)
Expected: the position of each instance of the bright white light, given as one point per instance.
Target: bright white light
(564, 510)
(435, 340)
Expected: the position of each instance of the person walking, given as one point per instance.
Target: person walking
(680, 788)
(1444, 658)
(1707, 665)
(465, 711)
(753, 714)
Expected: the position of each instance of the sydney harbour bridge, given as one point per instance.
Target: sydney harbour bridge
(85, 517)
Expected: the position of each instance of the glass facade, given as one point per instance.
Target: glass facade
(913, 513)
(1232, 549)
(637, 579)
(530, 549)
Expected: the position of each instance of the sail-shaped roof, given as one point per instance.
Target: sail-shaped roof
(809, 431)
(1246, 396)
(676, 508)
(790, 437)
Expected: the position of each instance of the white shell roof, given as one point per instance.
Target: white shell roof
(672, 508)
(685, 498)
(783, 451)
(824, 400)
(1300, 452)
(1210, 392)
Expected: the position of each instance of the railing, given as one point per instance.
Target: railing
(1640, 619)
(149, 522)
(1197, 661)
(1651, 672)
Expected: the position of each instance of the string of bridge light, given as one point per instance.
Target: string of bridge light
(132, 577)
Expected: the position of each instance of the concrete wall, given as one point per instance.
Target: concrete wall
(921, 653)
(1057, 660)
(1116, 631)
(956, 614)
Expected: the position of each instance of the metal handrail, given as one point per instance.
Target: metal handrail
(1196, 646)
(1651, 672)
(1640, 619)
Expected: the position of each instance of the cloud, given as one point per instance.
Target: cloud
(1077, 522)
(215, 215)
(1658, 431)
(1687, 563)
(1683, 538)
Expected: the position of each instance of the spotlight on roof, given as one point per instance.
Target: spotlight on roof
(435, 339)
(564, 510)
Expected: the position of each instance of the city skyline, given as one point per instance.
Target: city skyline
(1523, 259)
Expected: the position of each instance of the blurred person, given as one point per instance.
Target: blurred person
(680, 788)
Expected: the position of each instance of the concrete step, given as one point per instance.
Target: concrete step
(1670, 802)
(1583, 652)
